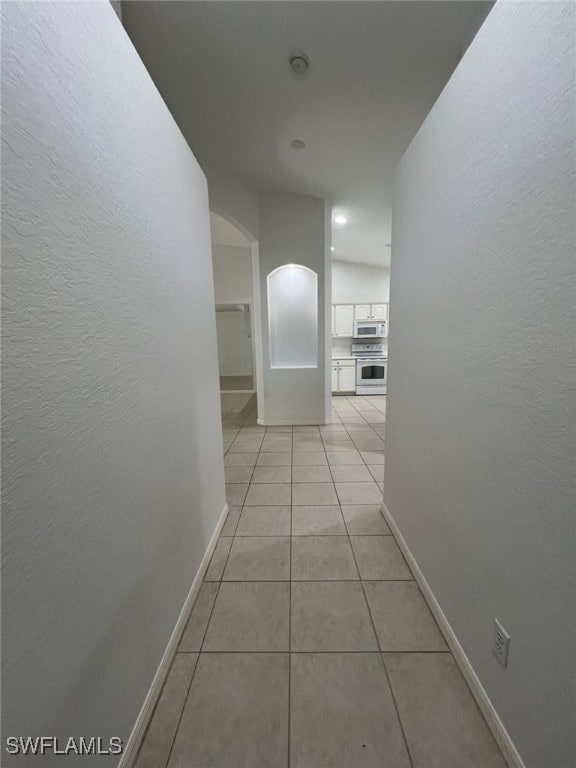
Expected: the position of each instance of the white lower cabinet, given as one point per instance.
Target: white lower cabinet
(347, 382)
(344, 376)
(335, 378)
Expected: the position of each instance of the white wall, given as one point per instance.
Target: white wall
(234, 200)
(293, 229)
(112, 449)
(480, 450)
(232, 274)
(359, 283)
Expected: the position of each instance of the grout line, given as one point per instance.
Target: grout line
(396, 706)
(378, 642)
(380, 653)
(289, 755)
(285, 653)
(151, 720)
(272, 581)
(347, 429)
(342, 517)
(193, 674)
(200, 651)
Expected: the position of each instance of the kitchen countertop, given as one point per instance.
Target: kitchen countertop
(343, 357)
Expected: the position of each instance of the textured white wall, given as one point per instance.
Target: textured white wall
(480, 448)
(232, 274)
(234, 200)
(358, 283)
(293, 230)
(112, 450)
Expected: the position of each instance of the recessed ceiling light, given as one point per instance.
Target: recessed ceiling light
(332, 248)
(298, 144)
(341, 220)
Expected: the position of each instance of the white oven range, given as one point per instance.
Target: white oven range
(371, 369)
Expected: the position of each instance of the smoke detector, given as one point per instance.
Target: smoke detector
(299, 62)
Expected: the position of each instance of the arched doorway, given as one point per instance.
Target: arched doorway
(234, 258)
(232, 263)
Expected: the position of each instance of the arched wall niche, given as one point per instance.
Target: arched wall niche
(293, 316)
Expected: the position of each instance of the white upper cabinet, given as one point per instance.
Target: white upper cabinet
(343, 320)
(362, 312)
(371, 312)
(344, 315)
(379, 312)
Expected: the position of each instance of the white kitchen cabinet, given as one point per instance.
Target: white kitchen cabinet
(344, 315)
(379, 312)
(343, 376)
(362, 312)
(343, 324)
(335, 371)
(371, 312)
(347, 379)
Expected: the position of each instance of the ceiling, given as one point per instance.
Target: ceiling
(376, 69)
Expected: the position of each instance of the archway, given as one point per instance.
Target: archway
(237, 307)
(232, 263)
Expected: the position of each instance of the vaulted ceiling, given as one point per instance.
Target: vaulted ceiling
(375, 70)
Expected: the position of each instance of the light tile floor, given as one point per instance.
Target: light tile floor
(310, 644)
(235, 383)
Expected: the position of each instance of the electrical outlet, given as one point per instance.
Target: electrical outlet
(501, 644)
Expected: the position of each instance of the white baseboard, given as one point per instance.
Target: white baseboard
(290, 422)
(135, 739)
(493, 721)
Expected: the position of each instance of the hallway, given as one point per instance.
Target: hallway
(309, 199)
(310, 643)
(235, 383)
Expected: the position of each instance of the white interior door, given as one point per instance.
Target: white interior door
(234, 340)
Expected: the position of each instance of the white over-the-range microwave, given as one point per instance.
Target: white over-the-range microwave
(369, 329)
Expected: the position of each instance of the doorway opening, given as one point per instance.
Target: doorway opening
(235, 265)
(235, 358)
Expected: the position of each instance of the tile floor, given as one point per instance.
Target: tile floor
(234, 383)
(310, 644)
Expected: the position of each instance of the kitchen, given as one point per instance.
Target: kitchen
(360, 325)
(359, 311)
